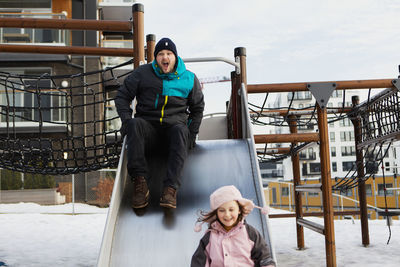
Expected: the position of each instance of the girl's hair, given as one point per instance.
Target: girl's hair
(211, 216)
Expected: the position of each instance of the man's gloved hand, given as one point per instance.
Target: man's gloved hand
(124, 128)
(192, 140)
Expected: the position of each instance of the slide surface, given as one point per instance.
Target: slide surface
(160, 237)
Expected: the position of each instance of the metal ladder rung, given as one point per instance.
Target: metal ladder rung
(312, 225)
(309, 188)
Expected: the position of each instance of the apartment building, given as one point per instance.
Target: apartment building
(25, 103)
(342, 157)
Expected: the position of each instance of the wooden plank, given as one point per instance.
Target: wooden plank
(286, 138)
(315, 214)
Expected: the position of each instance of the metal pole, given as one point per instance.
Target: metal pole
(296, 181)
(395, 191)
(375, 193)
(330, 247)
(362, 193)
(138, 34)
(73, 194)
(290, 197)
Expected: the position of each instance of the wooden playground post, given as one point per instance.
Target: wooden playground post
(138, 34)
(234, 106)
(151, 44)
(296, 182)
(360, 172)
(329, 232)
(240, 54)
(237, 80)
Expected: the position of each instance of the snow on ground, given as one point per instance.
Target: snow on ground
(349, 249)
(34, 235)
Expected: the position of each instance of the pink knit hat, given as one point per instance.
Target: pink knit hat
(229, 193)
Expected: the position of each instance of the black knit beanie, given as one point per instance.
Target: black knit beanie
(165, 43)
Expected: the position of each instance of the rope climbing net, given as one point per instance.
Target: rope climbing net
(59, 124)
(379, 118)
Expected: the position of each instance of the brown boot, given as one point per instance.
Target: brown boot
(140, 197)
(168, 198)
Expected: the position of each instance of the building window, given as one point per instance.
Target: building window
(387, 166)
(334, 166)
(345, 122)
(347, 136)
(332, 136)
(285, 191)
(381, 188)
(346, 104)
(299, 95)
(315, 167)
(304, 169)
(337, 93)
(368, 190)
(386, 152)
(24, 4)
(333, 151)
(24, 104)
(273, 195)
(347, 193)
(348, 151)
(348, 165)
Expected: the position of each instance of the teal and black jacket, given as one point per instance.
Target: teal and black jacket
(165, 98)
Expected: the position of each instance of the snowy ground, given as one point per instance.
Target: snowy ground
(33, 235)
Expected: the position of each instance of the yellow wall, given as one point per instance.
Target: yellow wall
(314, 203)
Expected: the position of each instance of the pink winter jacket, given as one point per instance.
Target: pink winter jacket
(242, 246)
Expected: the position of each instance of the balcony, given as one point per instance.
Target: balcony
(115, 9)
(299, 96)
(306, 127)
(34, 36)
(272, 174)
(309, 156)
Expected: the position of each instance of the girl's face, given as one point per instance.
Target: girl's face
(228, 214)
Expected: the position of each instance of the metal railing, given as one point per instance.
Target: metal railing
(34, 36)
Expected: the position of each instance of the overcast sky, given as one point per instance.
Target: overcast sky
(286, 41)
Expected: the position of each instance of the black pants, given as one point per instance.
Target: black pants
(145, 137)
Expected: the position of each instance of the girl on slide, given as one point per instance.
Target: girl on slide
(229, 240)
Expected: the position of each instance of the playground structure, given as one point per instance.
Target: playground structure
(77, 153)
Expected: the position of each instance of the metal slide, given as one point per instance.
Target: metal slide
(162, 237)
